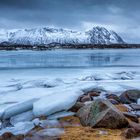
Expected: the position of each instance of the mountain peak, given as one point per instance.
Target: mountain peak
(47, 35)
(100, 35)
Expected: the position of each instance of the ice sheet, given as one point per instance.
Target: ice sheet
(20, 93)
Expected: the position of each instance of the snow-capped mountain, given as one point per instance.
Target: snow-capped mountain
(38, 36)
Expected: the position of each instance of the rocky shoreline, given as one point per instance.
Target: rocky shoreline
(113, 117)
(6, 46)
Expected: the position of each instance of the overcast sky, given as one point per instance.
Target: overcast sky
(122, 16)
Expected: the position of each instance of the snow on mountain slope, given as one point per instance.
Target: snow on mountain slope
(38, 36)
(100, 35)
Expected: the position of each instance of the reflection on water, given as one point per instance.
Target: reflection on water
(70, 58)
(103, 60)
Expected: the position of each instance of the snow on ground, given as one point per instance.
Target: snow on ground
(45, 92)
(29, 93)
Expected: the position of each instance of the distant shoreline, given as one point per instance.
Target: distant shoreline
(66, 46)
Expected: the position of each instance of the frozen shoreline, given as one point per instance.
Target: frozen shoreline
(29, 90)
(45, 91)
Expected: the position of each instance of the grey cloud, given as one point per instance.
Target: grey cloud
(120, 15)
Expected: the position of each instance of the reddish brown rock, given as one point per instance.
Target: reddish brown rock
(129, 133)
(130, 96)
(7, 135)
(77, 106)
(114, 97)
(135, 126)
(114, 102)
(93, 94)
(131, 116)
(101, 113)
(86, 98)
(10, 136)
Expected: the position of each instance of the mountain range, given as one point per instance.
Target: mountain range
(42, 36)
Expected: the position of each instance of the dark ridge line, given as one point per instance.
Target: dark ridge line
(6, 46)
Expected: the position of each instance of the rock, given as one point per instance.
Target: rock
(114, 97)
(10, 136)
(101, 113)
(88, 95)
(93, 94)
(80, 97)
(135, 106)
(86, 98)
(19, 137)
(122, 108)
(129, 133)
(77, 106)
(131, 116)
(130, 96)
(7, 135)
(135, 126)
(114, 102)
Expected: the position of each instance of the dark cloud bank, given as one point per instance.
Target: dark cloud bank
(122, 16)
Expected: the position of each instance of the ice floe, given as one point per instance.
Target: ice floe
(58, 101)
(24, 98)
(60, 115)
(23, 117)
(19, 128)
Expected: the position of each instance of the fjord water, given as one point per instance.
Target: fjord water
(66, 63)
(70, 58)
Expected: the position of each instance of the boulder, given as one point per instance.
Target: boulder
(131, 116)
(77, 106)
(94, 94)
(10, 136)
(114, 102)
(135, 126)
(129, 133)
(114, 97)
(130, 96)
(86, 98)
(101, 113)
(7, 135)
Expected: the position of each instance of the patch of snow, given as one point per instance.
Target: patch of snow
(59, 101)
(138, 101)
(23, 117)
(60, 115)
(51, 132)
(18, 108)
(49, 123)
